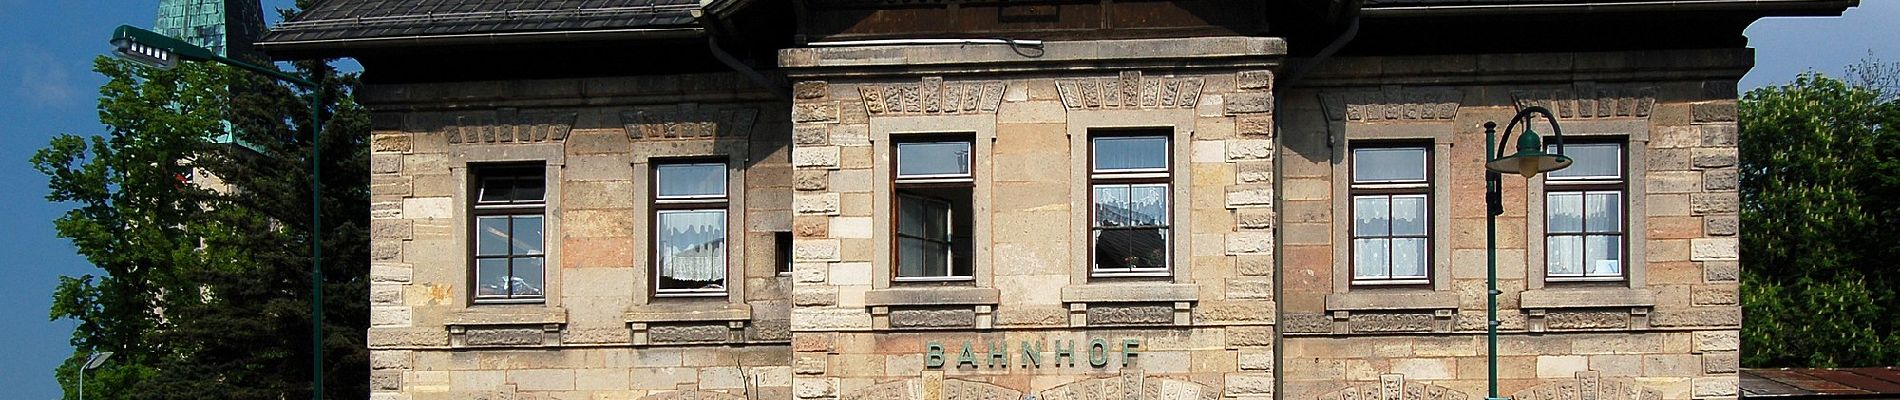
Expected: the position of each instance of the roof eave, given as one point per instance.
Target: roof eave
(1765, 7)
(351, 46)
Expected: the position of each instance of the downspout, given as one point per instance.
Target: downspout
(1279, 177)
(719, 53)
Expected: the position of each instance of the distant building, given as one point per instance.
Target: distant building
(1043, 199)
(226, 27)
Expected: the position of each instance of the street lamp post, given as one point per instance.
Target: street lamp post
(93, 361)
(160, 51)
(1530, 160)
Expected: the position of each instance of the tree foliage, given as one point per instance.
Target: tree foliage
(1820, 175)
(206, 291)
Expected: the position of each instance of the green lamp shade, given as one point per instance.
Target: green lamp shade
(1530, 158)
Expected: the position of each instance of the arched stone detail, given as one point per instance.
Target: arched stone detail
(693, 395)
(1131, 387)
(1589, 385)
(934, 388)
(1394, 387)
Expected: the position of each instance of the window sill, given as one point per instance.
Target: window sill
(1133, 292)
(1586, 298)
(508, 315)
(929, 296)
(1389, 300)
(688, 312)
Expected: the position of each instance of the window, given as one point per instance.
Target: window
(1583, 208)
(782, 252)
(689, 228)
(509, 248)
(933, 186)
(1391, 220)
(1128, 182)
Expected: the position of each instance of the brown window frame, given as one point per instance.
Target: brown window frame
(899, 183)
(1163, 177)
(1390, 190)
(1584, 186)
(659, 205)
(477, 178)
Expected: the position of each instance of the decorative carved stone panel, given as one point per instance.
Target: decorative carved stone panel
(934, 387)
(1391, 322)
(689, 121)
(933, 96)
(1392, 103)
(1588, 101)
(523, 335)
(1129, 91)
(1589, 385)
(509, 125)
(1394, 387)
(1131, 386)
(693, 395)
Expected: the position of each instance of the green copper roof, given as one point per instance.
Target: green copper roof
(225, 27)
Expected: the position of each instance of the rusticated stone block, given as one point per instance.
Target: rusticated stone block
(1252, 311)
(1260, 79)
(770, 330)
(1254, 265)
(810, 179)
(1720, 362)
(1587, 320)
(811, 134)
(1721, 271)
(1367, 322)
(1249, 102)
(1714, 157)
(810, 89)
(689, 333)
(1249, 196)
(1249, 149)
(1250, 336)
(1714, 112)
(1720, 179)
(1720, 225)
(1250, 243)
(1697, 317)
(1253, 218)
(933, 318)
(389, 143)
(815, 157)
(1718, 135)
(1131, 314)
(1714, 296)
(815, 112)
(1712, 203)
(1714, 249)
(503, 337)
(1254, 125)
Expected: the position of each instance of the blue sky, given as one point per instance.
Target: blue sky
(47, 87)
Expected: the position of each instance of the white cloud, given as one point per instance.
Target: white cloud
(43, 80)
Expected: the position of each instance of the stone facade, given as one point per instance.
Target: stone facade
(599, 331)
(1204, 330)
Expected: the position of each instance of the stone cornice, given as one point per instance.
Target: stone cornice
(951, 59)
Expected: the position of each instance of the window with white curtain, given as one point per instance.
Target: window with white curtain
(933, 186)
(1391, 214)
(1128, 182)
(509, 249)
(689, 228)
(1584, 220)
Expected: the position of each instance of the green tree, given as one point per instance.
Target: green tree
(205, 292)
(1819, 177)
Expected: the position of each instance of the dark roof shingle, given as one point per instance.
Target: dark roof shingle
(367, 19)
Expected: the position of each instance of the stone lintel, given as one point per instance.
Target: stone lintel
(932, 296)
(1131, 292)
(1586, 298)
(507, 315)
(687, 312)
(1227, 51)
(1387, 300)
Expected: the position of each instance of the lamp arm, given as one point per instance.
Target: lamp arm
(271, 72)
(1524, 115)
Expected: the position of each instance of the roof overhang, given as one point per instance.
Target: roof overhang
(298, 49)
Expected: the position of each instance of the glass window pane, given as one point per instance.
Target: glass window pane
(1409, 258)
(1131, 248)
(1592, 160)
(1148, 205)
(933, 159)
(910, 257)
(497, 190)
(1370, 216)
(691, 180)
(527, 235)
(937, 220)
(1131, 153)
(527, 278)
(1111, 206)
(1564, 255)
(1604, 255)
(1408, 215)
(491, 236)
(1604, 212)
(692, 245)
(491, 277)
(911, 214)
(529, 188)
(1564, 212)
(1405, 164)
(1370, 258)
(936, 259)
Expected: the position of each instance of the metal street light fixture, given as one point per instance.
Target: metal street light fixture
(160, 51)
(1530, 160)
(93, 361)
